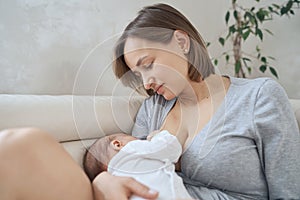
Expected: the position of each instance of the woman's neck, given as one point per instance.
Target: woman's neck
(210, 87)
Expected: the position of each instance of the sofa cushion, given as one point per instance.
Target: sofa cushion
(76, 121)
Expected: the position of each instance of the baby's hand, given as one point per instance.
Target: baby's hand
(152, 134)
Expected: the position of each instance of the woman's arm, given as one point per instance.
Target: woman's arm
(107, 186)
(278, 141)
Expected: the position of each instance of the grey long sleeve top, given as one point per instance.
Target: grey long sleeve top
(250, 149)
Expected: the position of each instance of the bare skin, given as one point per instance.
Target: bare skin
(34, 167)
(181, 119)
(111, 187)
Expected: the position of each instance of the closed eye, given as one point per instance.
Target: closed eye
(136, 73)
(149, 66)
(143, 68)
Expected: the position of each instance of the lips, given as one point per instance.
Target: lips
(158, 89)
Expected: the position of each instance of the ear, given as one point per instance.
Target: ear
(183, 40)
(116, 145)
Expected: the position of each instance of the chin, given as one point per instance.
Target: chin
(168, 96)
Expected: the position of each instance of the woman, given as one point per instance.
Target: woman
(241, 137)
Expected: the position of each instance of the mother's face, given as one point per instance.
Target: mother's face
(162, 67)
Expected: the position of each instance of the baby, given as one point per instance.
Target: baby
(150, 162)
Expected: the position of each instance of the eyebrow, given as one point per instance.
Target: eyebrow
(140, 60)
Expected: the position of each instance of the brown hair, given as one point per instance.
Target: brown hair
(157, 23)
(93, 155)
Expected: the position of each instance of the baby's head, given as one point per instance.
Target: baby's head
(98, 155)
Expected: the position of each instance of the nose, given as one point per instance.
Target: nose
(148, 82)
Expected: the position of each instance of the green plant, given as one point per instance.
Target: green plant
(246, 22)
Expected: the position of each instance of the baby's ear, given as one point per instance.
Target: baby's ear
(116, 145)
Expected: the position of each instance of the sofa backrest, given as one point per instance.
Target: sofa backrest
(76, 121)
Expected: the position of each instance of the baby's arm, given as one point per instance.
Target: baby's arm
(162, 145)
(152, 134)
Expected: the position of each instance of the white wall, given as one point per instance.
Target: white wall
(46, 44)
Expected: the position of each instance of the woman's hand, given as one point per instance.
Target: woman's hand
(107, 186)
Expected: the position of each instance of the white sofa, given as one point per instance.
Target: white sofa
(75, 121)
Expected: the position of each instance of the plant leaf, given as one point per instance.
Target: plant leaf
(272, 58)
(238, 66)
(263, 59)
(263, 68)
(246, 34)
(273, 71)
(235, 14)
(245, 63)
(249, 69)
(232, 29)
(248, 15)
(276, 6)
(257, 48)
(246, 59)
(260, 15)
(283, 10)
(227, 58)
(222, 41)
(270, 9)
(259, 33)
(267, 30)
(227, 17)
(216, 62)
(289, 5)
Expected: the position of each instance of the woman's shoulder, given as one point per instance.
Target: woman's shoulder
(255, 84)
(248, 91)
(257, 90)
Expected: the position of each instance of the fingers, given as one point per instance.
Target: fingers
(107, 186)
(152, 134)
(141, 190)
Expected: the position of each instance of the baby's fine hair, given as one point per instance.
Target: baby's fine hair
(93, 157)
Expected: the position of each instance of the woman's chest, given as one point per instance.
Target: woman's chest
(225, 160)
(185, 123)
